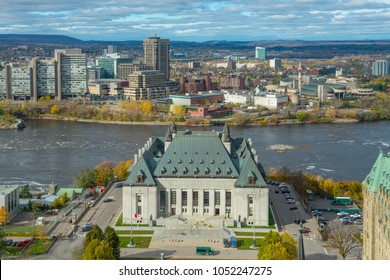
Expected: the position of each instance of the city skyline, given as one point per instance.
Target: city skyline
(201, 20)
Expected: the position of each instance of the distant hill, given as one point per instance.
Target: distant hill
(20, 39)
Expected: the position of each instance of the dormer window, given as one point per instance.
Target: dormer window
(169, 161)
(185, 171)
(207, 171)
(174, 171)
(196, 171)
(179, 161)
(140, 179)
(212, 161)
(163, 171)
(251, 180)
(190, 161)
(229, 171)
(223, 161)
(218, 171)
(201, 161)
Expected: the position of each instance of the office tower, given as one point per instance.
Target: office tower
(21, 83)
(149, 84)
(72, 73)
(112, 49)
(110, 66)
(156, 54)
(126, 69)
(44, 78)
(260, 53)
(5, 80)
(275, 63)
(380, 68)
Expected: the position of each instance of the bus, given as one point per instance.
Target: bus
(204, 251)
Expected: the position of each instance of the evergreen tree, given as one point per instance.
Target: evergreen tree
(113, 240)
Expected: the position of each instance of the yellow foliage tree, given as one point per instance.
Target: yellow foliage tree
(146, 108)
(178, 110)
(55, 109)
(121, 169)
(4, 216)
(104, 171)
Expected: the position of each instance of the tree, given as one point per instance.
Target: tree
(85, 178)
(94, 233)
(121, 170)
(98, 250)
(4, 216)
(104, 171)
(302, 116)
(277, 247)
(55, 109)
(343, 238)
(25, 192)
(113, 240)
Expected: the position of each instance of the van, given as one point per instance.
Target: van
(204, 251)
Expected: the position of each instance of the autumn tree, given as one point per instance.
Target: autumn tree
(55, 109)
(94, 233)
(278, 247)
(4, 216)
(121, 169)
(104, 171)
(85, 178)
(98, 250)
(113, 240)
(344, 238)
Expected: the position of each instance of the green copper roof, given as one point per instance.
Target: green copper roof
(379, 176)
(198, 154)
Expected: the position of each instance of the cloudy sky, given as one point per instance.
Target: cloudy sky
(199, 20)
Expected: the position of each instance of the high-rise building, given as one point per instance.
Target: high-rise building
(5, 80)
(376, 210)
(156, 54)
(149, 84)
(275, 63)
(126, 69)
(110, 66)
(380, 68)
(72, 73)
(112, 49)
(260, 53)
(21, 83)
(44, 78)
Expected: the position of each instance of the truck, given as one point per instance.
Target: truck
(339, 200)
(204, 251)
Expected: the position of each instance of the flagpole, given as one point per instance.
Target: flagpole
(131, 244)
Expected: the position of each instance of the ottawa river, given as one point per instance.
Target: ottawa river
(54, 151)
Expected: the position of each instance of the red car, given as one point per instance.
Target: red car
(306, 230)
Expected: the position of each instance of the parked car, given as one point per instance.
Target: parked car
(294, 208)
(108, 199)
(285, 190)
(276, 190)
(87, 227)
(305, 230)
(290, 201)
(299, 221)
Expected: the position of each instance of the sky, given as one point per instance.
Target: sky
(205, 20)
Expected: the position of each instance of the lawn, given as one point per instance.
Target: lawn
(134, 232)
(140, 241)
(238, 233)
(12, 251)
(245, 243)
(39, 247)
(20, 231)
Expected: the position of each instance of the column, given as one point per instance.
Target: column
(200, 202)
(223, 203)
(178, 202)
(189, 202)
(212, 202)
(168, 203)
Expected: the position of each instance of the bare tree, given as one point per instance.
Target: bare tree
(344, 238)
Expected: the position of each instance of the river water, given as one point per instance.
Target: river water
(54, 151)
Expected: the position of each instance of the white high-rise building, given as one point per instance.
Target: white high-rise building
(72, 73)
(275, 63)
(21, 83)
(45, 78)
(380, 68)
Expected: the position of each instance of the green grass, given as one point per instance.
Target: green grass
(12, 251)
(39, 247)
(245, 243)
(119, 222)
(224, 117)
(135, 232)
(140, 241)
(238, 233)
(20, 231)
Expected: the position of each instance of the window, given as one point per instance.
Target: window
(217, 198)
(250, 205)
(218, 171)
(207, 171)
(251, 180)
(140, 179)
(229, 171)
(173, 197)
(195, 198)
(139, 198)
(206, 198)
(228, 199)
(162, 198)
(184, 198)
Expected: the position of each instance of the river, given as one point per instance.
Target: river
(54, 151)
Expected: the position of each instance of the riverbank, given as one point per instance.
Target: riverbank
(7, 122)
(213, 122)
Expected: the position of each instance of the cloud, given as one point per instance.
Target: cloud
(204, 19)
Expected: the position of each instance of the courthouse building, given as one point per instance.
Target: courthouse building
(195, 175)
(376, 210)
